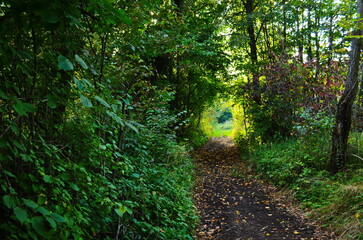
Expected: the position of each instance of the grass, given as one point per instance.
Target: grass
(301, 166)
(222, 129)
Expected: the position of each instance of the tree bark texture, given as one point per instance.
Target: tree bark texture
(343, 117)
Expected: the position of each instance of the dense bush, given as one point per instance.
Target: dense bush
(85, 186)
(287, 92)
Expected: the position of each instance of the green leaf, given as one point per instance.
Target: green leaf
(38, 225)
(9, 201)
(14, 128)
(9, 174)
(87, 82)
(103, 102)
(19, 145)
(122, 209)
(52, 223)
(58, 218)
(41, 199)
(30, 203)
(129, 210)
(86, 102)
(81, 62)
(43, 211)
(131, 126)
(22, 108)
(52, 101)
(21, 214)
(119, 212)
(74, 186)
(3, 95)
(64, 63)
(79, 84)
(135, 175)
(123, 17)
(115, 117)
(26, 157)
(28, 107)
(47, 179)
(127, 101)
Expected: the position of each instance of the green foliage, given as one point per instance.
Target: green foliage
(217, 120)
(224, 115)
(88, 119)
(355, 153)
(285, 162)
(300, 165)
(292, 97)
(287, 59)
(139, 191)
(223, 129)
(312, 123)
(96, 95)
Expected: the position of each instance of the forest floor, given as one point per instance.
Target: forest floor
(235, 205)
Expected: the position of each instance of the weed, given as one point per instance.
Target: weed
(300, 164)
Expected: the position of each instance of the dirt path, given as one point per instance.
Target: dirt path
(233, 206)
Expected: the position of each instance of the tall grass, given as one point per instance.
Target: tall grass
(301, 165)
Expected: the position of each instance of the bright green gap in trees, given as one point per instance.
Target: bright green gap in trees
(223, 119)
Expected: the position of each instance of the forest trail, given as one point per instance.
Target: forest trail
(233, 205)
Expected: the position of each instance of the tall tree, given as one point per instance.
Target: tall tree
(343, 116)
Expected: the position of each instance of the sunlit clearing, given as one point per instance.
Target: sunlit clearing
(224, 119)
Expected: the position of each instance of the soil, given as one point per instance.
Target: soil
(234, 205)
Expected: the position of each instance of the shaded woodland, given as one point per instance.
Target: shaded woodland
(101, 101)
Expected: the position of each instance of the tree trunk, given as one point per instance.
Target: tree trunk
(250, 6)
(331, 39)
(300, 41)
(284, 30)
(317, 45)
(180, 5)
(309, 49)
(251, 30)
(343, 116)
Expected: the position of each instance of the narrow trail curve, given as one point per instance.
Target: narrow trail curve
(234, 207)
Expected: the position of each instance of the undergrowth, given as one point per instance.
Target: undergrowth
(301, 166)
(85, 184)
